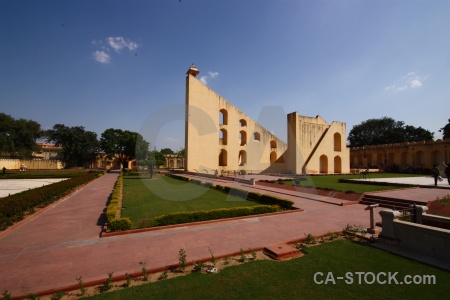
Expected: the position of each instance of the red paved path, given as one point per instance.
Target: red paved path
(54, 248)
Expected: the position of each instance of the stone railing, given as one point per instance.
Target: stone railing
(416, 237)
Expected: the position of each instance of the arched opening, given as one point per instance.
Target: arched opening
(171, 164)
(337, 164)
(323, 164)
(419, 159)
(256, 136)
(436, 157)
(179, 163)
(223, 117)
(242, 158)
(391, 158)
(223, 137)
(223, 158)
(369, 161)
(273, 144)
(404, 158)
(337, 141)
(243, 137)
(242, 123)
(380, 160)
(273, 157)
(352, 160)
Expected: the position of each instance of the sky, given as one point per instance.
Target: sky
(122, 64)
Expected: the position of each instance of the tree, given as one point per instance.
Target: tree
(446, 131)
(18, 137)
(166, 151)
(80, 147)
(181, 152)
(124, 145)
(386, 131)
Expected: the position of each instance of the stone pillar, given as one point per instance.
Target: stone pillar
(420, 211)
(387, 219)
(372, 228)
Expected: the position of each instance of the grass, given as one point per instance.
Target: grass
(148, 198)
(294, 279)
(332, 182)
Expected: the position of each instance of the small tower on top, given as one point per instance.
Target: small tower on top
(193, 71)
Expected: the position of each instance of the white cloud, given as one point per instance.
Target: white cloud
(111, 43)
(204, 78)
(415, 83)
(102, 57)
(118, 43)
(409, 81)
(213, 74)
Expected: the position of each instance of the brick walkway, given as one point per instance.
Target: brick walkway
(51, 250)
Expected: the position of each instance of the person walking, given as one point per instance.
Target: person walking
(435, 174)
(447, 171)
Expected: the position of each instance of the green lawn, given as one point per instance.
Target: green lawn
(294, 279)
(332, 182)
(147, 198)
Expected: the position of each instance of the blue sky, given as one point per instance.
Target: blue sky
(122, 64)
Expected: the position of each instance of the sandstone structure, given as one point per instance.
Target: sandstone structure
(221, 138)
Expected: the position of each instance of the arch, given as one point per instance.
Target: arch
(223, 157)
(337, 141)
(391, 158)
(337, 164)
(223, 137)
(243, 137)
(273, 144)
(256, 136)
(404, 158)
(379, 160)
(242, 158)
(171, 164)
(223, 117)
(360, 160)
(323, 164)
(242, 123)
(369, 160)
(418, 158)
(179, 163)
(273, 157)
(436, 157)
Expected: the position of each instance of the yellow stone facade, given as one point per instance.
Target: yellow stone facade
(219, 137)
(410, 157)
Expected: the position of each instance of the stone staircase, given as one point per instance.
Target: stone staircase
(388, 202)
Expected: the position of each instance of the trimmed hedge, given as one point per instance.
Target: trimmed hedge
(251, 196)
(178, 177)
(214, 214)
(272, 200)
(114, 223)
(14, 207)
(120, 224)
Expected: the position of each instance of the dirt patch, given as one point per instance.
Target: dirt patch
(437, 208)
(206, 267)
(315, 191)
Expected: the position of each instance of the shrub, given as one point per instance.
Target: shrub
(120, 224)
(208, 185)
(272, 200)
(195, 181)
(251, 196)
(237, 192)
(178, 177)
(214, 214)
